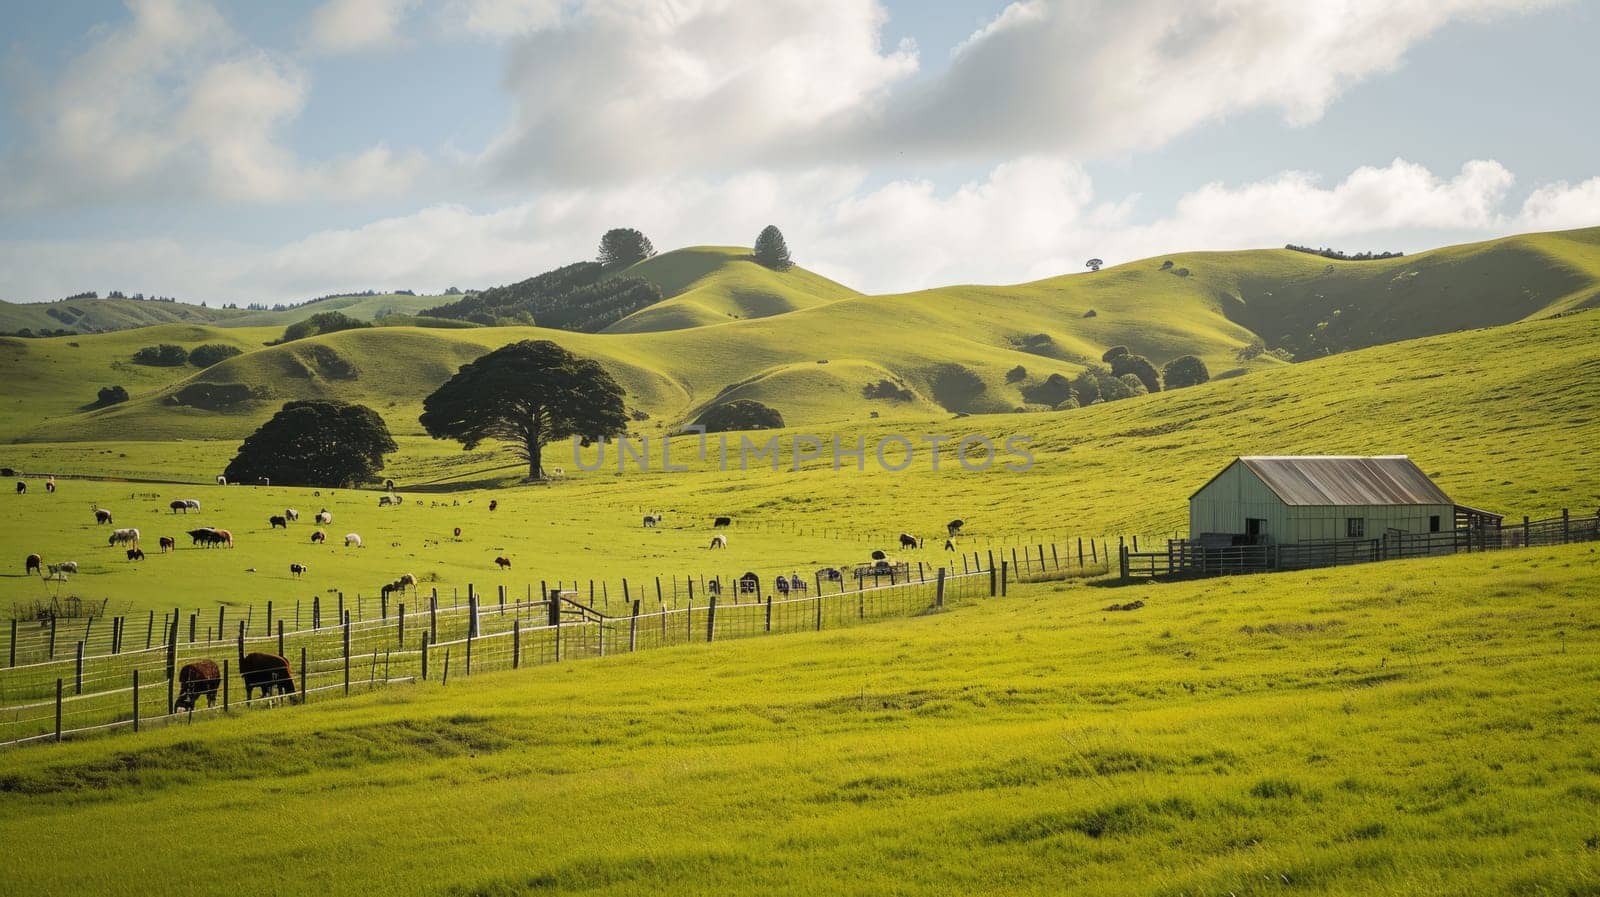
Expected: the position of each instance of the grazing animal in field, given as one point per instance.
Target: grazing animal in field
(949, 545)
(652, 519)
(191, 504)
(324, 518)
(101, 515)
(268, 672)
(32, 564)
(127, 536)
(224, 538)
(64, 567)
(196, 679)
(204, 534)
(22, 488)
(318, 537)
(222, 481)
(494, 504)
(297, 570)
(178, 504)
(135, 554)
(714, 586)
(796, 584)
(953, 528)
(831, 574)
(352, 539)
(782, 584)
(458, 532)
(276, 521)
(504, 563)
(168, 544)
(909, 541)
(407, 581)
(719, 542)
(263, 481)
(721, 522)
(879, 555)
(389, 485)
(291, 515)
(50, 484)
(385, 501)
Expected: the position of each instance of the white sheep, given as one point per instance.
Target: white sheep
(352, 539)
(291, 514)
(324, 517)
(222, 480)
(719, 541)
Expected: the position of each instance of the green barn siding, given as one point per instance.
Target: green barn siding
(1223, 505)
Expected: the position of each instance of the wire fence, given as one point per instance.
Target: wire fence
(421, 640)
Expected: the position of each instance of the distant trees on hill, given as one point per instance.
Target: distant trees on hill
(1185, 370)
(1344, 257)
(1138, 366)
(166, 355)
(622, 246)
(771, 250)
(740, 414)
(321, 322)
(110, 395)
(574, 297)
(209, 354)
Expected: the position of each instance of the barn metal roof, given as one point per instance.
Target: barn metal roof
(1346, 480)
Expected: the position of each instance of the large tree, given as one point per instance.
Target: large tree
(315, 443)
(622, 246)
(1185, 370)
(526, 394)
(771, 250)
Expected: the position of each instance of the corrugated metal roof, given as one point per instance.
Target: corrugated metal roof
(1346, 480)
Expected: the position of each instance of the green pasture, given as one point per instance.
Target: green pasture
(1393, 729)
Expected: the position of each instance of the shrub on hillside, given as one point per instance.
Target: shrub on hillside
(1139, 366)
(215, 396)
(1135, 386)
(1067, 404)
(1017, 374)
(956, 388)
(165, 355)
(329, 444)
(209, 354)
(740, 414)
(1054, 390)
(1114, 388)
(1113, 353)
(110, 395)
(1185, 370)
(319, 323)
(887, 389)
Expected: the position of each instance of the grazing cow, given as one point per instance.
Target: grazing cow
(909, 541)
(953, 528)
(949, 545)
(494, 504)
(407, 581)
(796, 584)
(297, 570)
(222, 481)
(126, 536)
(101, 515)
(352, 539)
(22, 488)
(168, 544)
(385, 501)
(652, 519)
(268, 672)
(204, 534)
(504, 563)
(50, 484)
(135, 554)
(324, 518)
(196, 679)
(318, 537)
(831, 574)
(224, 538)
(291, 515)
(722, 522)
(178, 504)
(64, 567)
(782, 584)
(719, 542)
(32, 565)
(193, 504)
(879, 555)
(276, 521)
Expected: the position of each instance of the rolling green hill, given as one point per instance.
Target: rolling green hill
(102, 315)
(706, 285)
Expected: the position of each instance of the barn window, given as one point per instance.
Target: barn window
(1433, 524)
(1255, 526)
(1355, 527)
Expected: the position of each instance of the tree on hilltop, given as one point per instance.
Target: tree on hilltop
(622, 246)
(771, 250)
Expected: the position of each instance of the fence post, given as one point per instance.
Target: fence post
(433, 616)
(77, 670)
(58, 710)
(769, 607)
(172, 658)
(711, 619)
(136, 699)
(316, 611)
(516, 644)
(819, 610)
(222, 611)
(938, 594)
(340, 608)
(472, 613)
(1122, 558)
(469, 654)
(633, 628)
(347, 655)
(424, 657)
(13, 660)
(400, 626)
(305, 683)
(150, 632)
(1566, 526)
(53, 636)
(1094, 553)
(225, 677)
(994, 583)
(553, 604)
(1003, 571)
(502, 600)
(280, 638)
(194, 618)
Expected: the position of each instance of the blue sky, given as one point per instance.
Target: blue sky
(242, 151)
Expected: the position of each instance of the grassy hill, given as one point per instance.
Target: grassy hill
(707, 285)
(101, 315)
(1416, 727)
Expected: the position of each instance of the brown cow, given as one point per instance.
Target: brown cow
(268, 672)
(503, 562)
(195, 679)
(34, 565)
(168, 544)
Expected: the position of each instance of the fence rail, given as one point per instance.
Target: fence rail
(1189, 557)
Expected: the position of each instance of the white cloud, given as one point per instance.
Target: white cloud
(1028, 218)
(629, 88)
(353, 26)
(500, 18)
(175, 105)
(1562, 205)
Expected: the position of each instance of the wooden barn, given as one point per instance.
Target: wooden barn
(1294, 500)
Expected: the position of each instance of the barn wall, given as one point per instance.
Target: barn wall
(1236, 494)
(1317, 523)
(1223, 505)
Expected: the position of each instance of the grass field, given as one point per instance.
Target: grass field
(1415, 727)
